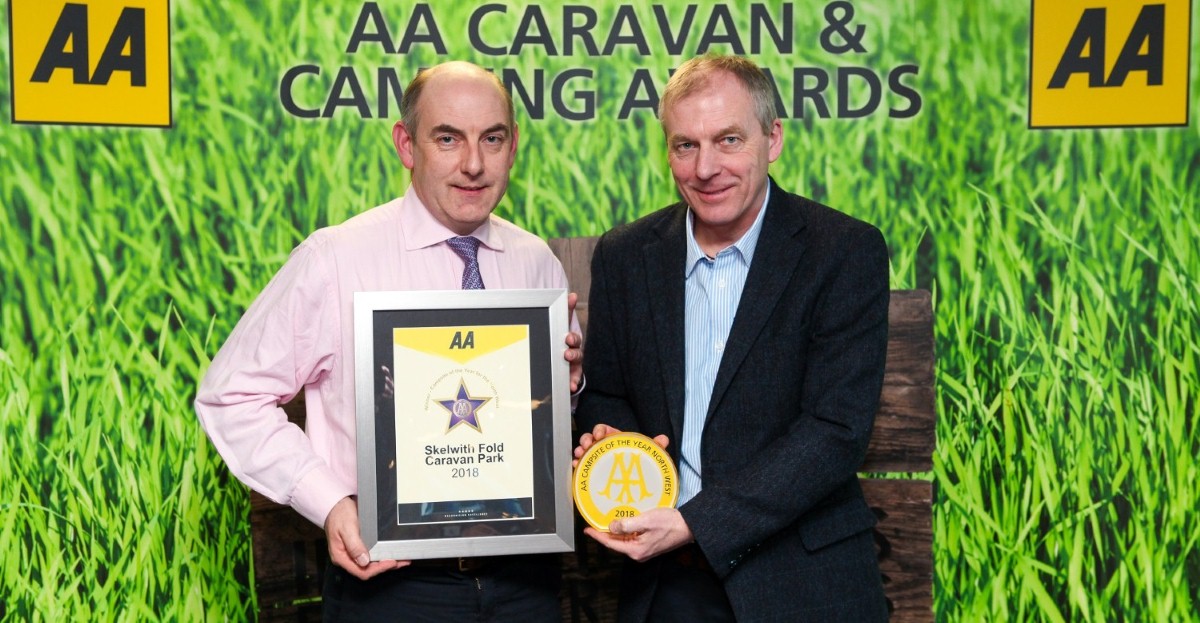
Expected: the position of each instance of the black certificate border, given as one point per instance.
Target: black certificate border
(551, 527)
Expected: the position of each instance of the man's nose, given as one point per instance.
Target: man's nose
(472, 160)
(708, 162)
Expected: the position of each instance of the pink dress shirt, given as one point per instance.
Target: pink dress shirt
(299, 334)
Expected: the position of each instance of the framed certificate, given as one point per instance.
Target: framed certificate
(463, 414)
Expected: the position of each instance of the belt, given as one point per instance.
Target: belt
(474, 564)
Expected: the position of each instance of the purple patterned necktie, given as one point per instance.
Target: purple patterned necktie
(467, 247)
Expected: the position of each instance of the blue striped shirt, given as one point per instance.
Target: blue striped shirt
(712, 290)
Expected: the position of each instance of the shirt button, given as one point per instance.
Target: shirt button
(720, 346)
(721, 283)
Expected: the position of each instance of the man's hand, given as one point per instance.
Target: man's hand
(643, 537)
(346, 548)
(587, 440)
(574, 352)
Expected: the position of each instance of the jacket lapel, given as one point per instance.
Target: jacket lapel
(775, 259)
(664, 259)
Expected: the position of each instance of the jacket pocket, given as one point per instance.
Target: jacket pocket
(825, 526)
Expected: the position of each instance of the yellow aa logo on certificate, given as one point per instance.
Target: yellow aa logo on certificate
(623, 475)
(464, 442)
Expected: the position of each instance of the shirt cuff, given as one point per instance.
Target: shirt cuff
(578, 392)
(317, 493)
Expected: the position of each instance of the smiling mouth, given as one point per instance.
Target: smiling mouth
(712, 193)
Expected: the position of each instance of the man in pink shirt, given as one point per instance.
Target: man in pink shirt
(458, 137)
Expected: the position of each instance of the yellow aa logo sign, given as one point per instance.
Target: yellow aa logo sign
(461, 344)
(626, 475)
(104, 62)
(1106, 63)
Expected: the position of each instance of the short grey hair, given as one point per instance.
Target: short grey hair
(696, 73)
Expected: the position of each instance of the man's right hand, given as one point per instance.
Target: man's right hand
(346, 548)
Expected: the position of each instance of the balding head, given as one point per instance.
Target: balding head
(409, 109)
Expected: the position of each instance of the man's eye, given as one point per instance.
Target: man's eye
(683, 146)
(493, 140)
(445, 140)
(730, 140)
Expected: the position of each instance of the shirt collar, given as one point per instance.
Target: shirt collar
(422, 230)
(743, 248)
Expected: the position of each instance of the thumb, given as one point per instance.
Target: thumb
(355, 548)
(623, 527)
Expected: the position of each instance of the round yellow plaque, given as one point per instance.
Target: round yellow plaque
(623, 475)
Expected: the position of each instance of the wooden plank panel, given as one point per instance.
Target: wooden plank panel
(562, 248)
(905, 431)
(290, 553)
(910, 339)
(575, 254)
(904, 538)
(579, 271)
(290, 556)
(905, 425)
(294, 409)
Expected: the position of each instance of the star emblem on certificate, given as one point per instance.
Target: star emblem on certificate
(463, 408)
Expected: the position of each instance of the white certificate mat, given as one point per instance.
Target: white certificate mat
(463, 404)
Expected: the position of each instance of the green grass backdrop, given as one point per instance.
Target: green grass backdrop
(1064, 266)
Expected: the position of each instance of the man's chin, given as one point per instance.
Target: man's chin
(713, 201)
(710, 211)
(468, 216)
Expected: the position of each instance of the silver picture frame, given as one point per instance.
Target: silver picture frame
(437, 419)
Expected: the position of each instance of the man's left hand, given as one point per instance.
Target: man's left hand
(643, 537)
(574, 352)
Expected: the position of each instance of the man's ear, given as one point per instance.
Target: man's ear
(775, 141)
(512, 154)
(403, 142)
